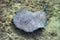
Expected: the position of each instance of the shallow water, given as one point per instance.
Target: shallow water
(8, 30)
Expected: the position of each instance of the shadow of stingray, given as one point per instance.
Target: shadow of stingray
(27, 35)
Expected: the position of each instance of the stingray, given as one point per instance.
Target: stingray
(30, 21)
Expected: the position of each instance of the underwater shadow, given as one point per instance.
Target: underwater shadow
(27, 35)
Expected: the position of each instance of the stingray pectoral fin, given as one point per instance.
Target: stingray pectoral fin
(22, 11)
(42, 17)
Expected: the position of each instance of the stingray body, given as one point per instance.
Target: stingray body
(30, 21)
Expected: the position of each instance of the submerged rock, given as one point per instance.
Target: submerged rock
(29, 21)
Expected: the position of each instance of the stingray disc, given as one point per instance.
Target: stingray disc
(29, 21)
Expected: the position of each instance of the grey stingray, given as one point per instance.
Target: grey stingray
(30, 21)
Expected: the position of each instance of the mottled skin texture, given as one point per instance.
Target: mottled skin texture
(8, 30)
(29, 21)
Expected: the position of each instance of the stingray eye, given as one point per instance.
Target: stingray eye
(25, 21)
(21, 22)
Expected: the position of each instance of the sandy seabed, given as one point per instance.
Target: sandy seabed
(9, 32)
